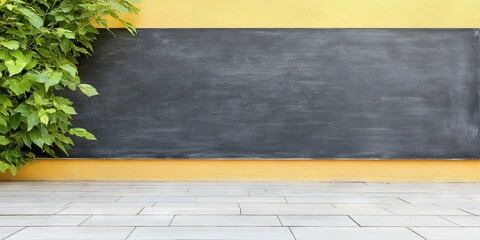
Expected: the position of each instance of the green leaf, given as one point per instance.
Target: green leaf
(23, 109)
(15, 67)
(117, 6)
(67, 109)
(87, 89)
(4, 141)
(31, 64)
(54, 79)
(32, 121)
(65, 45)
(3, 53)
(13, 169)
(3, 122)
(66, 33)
(43, 116)
(15, 121)
(4, 166)
(5, 101)
(27, 141)
(18, 87)
(32, 17)
(70, 69)
(134, 1)
(12, 44)
(61, 147)
(81, 132)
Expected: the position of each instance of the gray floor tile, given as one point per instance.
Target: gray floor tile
(378, 205)
(32, 204)
(139, 193)
(190, 210)
(289, 193)
(66, 194)
(239, 210)
(353, 233)
(108, 205)
(208, 193)
(445, 202)
(237, 233)
(401, 221)
(24, 193)
(51, 220)
(129, 221)
(162, 188)
(106, 188)
(465, 221)
(449, 233)
(241, 199)
(30, 210)
(475, 211)
(317, 221)
(196, 205)
(7, 231)
(72, 233)
(228, 221)
(101, 210)
(159, 199)
(60, 199)
(334, 200)
(307, 209)
(422, 210)
(290, 205)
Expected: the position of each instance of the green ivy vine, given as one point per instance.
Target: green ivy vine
(40, 41)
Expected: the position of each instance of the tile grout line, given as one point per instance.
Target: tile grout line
(473, 199)
(403, 200)
(128, 236)
(84, 220)
(60, 210)
(290, 229)
(449, 220)
(417, 233)
(141, 209)
(171, 221)
(354, 220)
(15, 232)
(467, 212)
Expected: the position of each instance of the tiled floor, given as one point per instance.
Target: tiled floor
(239, 210)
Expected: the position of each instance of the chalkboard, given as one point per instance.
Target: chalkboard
(282, 93)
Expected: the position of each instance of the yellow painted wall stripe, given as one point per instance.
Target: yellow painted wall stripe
(307, 14)
(251, 170)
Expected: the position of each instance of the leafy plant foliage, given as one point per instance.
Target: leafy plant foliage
(39, 43)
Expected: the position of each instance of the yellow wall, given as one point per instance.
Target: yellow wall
(308, 14)
(280, 14)
(252, 170)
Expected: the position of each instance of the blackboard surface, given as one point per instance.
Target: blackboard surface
(282, 93)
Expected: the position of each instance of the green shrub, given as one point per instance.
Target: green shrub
(39, 43)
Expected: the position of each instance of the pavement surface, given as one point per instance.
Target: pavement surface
(239, 211)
